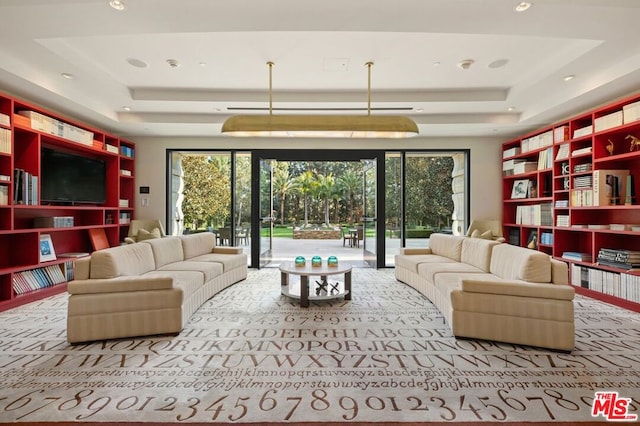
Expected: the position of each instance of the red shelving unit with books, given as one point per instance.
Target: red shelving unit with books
(595, 214)
(41, 234)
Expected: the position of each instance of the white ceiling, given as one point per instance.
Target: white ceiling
(320, 49)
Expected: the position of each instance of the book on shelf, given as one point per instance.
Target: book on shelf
(524, 167)
(582, 151)
(631, 112)
(562, 203)
(561, 133)
(562, 220)
(621, 227)
(584, 167)
(608, 121)
(563, 152)
(546, 238)
(583, 131)
(511, 152)
(5, 141)
(535, 214)
(609, 186)
(598, 226)
(35, 279)
(545, 159)
(25, 187)
(5, 120)
(4, 195)
(575, 255)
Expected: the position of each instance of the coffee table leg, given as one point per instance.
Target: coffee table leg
(304, 291)
(284, 279)
(347, 285)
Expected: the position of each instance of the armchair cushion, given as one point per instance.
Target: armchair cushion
(143, 234)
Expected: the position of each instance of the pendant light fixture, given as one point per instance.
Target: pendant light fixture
(328, 126)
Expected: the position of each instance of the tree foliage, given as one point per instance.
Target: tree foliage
(207, 197)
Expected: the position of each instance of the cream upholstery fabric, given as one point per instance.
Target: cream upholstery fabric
(519, 263)
(446, 245)
(496, 292)
(150, 287)
(127, 260)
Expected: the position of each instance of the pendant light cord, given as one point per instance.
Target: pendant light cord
(270, 64)
(369, 64)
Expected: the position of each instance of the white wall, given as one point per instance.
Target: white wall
(486, 164)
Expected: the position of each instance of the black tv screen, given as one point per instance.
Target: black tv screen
(68, 179)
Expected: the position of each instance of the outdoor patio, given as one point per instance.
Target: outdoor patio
(286, 249)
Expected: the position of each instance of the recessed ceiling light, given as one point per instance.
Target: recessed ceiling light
(126, 108)
(511, 109)
(568, 77)
(117, 5)
(202, 64)
(466, 64)
(67, 75)
(436, 64)
(419, 109)
(522, 6)
(499, 63)
(137, 63)
(173, 63)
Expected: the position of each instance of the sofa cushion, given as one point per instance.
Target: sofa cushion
(166, 250)
(428, 270)
(132, 259)
(196, 244)
(519, 263)
(445, 283)
(446, 245)
(411, 261)
(228, 261)
(477, 252)
(189, 281)
(209, 269)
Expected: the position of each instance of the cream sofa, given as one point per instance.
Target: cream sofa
(149, 287)
(493, 291)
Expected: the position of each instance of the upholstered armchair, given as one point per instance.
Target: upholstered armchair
(140, 229)
(488, 229)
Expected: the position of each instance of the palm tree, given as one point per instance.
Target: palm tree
(326, 187)
(306, 184)
(349, 183)
(283, 184)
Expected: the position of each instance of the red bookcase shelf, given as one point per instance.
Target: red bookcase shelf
(579, 214)
(23, 277)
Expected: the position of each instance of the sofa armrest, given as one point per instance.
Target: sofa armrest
(415, 250)
(227, 250)
(120, 284)
(515, 288)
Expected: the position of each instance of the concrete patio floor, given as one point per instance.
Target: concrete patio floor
(286, 249)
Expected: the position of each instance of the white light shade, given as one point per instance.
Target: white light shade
(332, 126)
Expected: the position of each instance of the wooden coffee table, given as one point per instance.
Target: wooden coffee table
(323, 289)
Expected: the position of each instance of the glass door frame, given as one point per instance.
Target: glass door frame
(317, 155)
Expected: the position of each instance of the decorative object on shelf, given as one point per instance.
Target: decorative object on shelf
(610, 147)
(300, 261)
(635, 143)
(630, 191)
(47, 251)
(316, 261)
(520, 189)
(332, 261)
(532, 242)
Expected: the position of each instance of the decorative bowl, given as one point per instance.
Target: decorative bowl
(332, 261)
(300, 261)
(316, 261)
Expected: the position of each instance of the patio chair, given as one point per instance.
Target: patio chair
(347, 236)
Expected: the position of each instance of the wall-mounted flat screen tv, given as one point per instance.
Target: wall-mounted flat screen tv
(71, 179)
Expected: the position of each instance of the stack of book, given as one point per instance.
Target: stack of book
(574, 255)
(619, 258)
